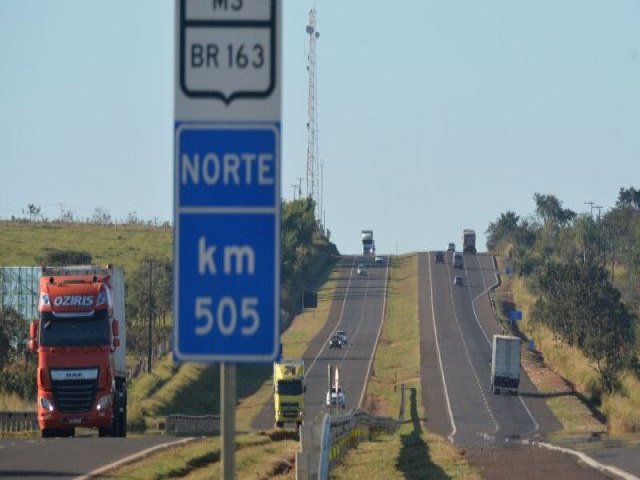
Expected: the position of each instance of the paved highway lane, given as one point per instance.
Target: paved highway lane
(461, 330)
(63, 458)
(357, 307)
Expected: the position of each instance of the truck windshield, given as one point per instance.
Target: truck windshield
(290, 387)
(76, 331)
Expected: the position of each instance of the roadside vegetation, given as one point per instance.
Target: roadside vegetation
(575, 280)
(412, 452)
(144, 250)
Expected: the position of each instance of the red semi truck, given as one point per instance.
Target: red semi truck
(80, 338)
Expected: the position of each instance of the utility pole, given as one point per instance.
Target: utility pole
(150, 344)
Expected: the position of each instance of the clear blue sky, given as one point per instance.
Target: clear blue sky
(433, 116)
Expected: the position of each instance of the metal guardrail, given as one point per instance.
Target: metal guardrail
(18, 422)
(323, 444)
(192, 424)
(348, 431)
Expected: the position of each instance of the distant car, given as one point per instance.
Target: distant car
(439, 257)
(362, 269)
(451, 247)
(342, 335)
(458, 260)
(379, 259)
(458, 282)
(335, 342)
(335, 398)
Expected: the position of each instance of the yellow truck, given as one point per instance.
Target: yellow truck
(288, 391)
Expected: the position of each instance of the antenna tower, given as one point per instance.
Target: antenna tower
(314, 170)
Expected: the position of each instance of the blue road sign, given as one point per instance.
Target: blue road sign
(515, 315)
(227, 242)
(227, 79)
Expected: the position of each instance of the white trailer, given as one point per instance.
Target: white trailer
(505, 364)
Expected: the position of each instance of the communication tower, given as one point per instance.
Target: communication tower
(314, 166)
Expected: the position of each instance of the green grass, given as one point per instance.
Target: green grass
(412, 452)
(201, 459)
(122, 245)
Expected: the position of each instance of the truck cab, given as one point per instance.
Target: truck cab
(79, 338)
(288, 392)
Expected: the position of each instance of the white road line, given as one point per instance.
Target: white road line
(373, 354)
(132, 458)
(344, 300)
(466, 349)
(536, 425)
(589, 461)
(435, 334)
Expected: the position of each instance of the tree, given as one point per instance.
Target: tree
(101, 216)
(629, 197)
(584, 310)
(550, 210)
(503, 230)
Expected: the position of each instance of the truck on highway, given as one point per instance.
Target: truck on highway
(368, 245)
(80, 339)
(469, 241)
(288, 391)
(505, 363)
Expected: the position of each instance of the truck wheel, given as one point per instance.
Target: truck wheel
(120, 410)
(48, 432)
(104, 431)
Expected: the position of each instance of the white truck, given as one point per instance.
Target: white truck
(505, 364)
(368, 245)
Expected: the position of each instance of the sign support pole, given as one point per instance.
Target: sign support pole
(228, 394)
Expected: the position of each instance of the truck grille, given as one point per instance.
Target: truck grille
(74, 396)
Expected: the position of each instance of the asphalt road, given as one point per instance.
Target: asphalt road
(62, 458)
(357, 307)
(457, 325)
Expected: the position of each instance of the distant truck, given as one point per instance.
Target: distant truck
(469, 241)
(368, 245)
(80, 338)
(505, 364)
(288, 391)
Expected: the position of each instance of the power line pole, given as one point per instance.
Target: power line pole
(150, 345)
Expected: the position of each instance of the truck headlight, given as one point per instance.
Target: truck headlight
(46, 404)
(103, 403)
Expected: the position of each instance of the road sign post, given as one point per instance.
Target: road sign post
(227, 184)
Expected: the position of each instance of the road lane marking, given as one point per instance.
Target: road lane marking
(536, 425)
(132, 458)
(466, 349)
(603, 467)
(435, 334)
(344, 300)
(373, 354)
